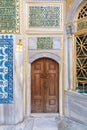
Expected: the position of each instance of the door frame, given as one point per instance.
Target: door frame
(46, 95)
(61, 90)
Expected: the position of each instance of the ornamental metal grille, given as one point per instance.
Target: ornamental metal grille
(83, 12)
(82, 22)
(81, 62)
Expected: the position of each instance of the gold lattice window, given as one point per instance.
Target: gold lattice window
(82, 18)
(83, 12)
(81, 62)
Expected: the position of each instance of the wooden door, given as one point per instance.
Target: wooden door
(45, 86)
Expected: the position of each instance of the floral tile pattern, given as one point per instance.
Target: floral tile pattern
(82, 25)
(9, 16)
(6, 69)
(45, 16)
(44, 43)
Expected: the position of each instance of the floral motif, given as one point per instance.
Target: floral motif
(44, 16)
(6, 69)
(44, 43)
(9, 16)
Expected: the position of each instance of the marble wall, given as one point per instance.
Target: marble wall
(76, 106)
(43, 43)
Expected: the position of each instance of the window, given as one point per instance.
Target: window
(81, 62)
(81, 51)
(83, 12)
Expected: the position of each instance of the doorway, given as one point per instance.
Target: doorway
(44, 86)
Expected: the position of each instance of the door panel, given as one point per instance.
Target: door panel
(52, 90)
(37, 86)
(45, 86)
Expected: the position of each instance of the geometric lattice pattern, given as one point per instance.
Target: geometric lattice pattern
(9, 16)
(82, 24)
(44, 43)
(83, 12)
(81, 59)
(45, 16)
(6, 69)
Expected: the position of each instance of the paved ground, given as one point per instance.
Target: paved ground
(46, 123)
(67, 124)
(57, 123)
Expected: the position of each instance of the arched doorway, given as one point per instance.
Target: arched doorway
(44, 86)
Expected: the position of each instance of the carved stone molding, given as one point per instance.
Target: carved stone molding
(44, 0)
(68, 5)
(73, 11)
(70, 29)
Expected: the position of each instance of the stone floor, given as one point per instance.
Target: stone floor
(46, 123)
(67, 124)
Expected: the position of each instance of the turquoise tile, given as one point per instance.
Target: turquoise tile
(6, 69)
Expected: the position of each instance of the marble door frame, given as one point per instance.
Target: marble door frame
(58, 60)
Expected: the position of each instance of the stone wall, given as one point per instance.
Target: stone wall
(76, 106)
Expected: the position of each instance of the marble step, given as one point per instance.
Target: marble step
(45, 124)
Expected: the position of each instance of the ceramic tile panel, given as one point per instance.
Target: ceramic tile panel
(9, 16)
(45, 16)
(82, 25)
(40, 43)
(44, 43)
(6, 69)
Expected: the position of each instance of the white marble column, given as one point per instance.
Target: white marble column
(70, 62)
(66, 78)
(1, 114)
(70, 30)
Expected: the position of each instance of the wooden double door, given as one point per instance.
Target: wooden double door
(45, 86)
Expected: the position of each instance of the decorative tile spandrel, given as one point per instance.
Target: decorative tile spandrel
(45, 16)
(82, 25)
(9, 16)
(82, 18)
(44, 43)
(6, 69)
